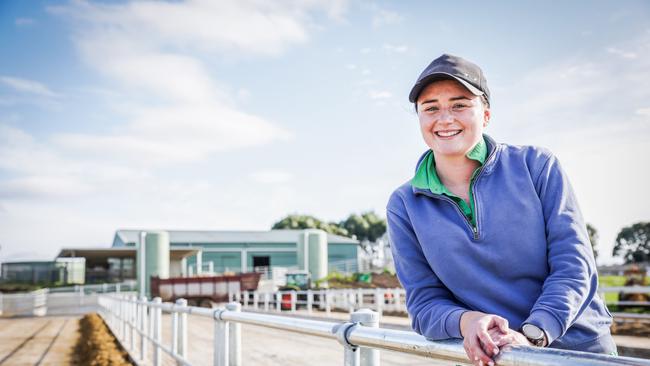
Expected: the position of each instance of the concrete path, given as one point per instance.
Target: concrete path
(38, 340)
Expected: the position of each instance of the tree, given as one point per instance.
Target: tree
(300, 222)
(367, 226)
(633, 243)
(593, 238)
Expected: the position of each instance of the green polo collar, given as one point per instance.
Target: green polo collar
(427, 178)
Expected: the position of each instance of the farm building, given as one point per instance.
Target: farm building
(195, 252)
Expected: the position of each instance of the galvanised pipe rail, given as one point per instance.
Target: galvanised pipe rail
(360, 337)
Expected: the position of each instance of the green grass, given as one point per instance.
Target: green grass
(615, 281)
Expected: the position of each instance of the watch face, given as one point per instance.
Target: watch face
(532, 332)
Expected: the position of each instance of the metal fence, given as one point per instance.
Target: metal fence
(377, 299)
(140, 321)
(79, 299)
(380, 300)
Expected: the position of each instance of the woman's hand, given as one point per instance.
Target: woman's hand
(478, 344)
(510, 337)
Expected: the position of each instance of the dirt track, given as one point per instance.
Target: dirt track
(38, 340)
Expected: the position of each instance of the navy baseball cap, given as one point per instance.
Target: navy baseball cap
(452, 67)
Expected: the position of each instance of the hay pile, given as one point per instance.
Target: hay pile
(97, 346)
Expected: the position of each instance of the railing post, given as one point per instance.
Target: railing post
(174, 331)
(310, 300)
(256, 300)
(328, 307)
(351, 300)
(379, 300)
(152, 323)
(294, 299)
(132, 311)
(367, 318)
(234, 351)
(117, 288)
(245, 299)
(81, 294)
(266, 301)
(278, 301)
(123, 318)
(360, 297)
(157, 331)
(182, 330)
(143, 327)
(221, 342)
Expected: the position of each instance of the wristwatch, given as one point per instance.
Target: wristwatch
(535, 334)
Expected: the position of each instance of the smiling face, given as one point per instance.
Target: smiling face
(451, 117)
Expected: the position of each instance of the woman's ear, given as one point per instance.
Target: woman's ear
(486, 117)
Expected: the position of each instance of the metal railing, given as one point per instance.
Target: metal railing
(379, 299)
(76, 299)
(140, 320)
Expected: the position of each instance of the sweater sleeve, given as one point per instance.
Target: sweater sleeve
(572, 281)
(434, 311)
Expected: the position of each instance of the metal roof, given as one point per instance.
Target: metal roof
(127, 252)
(232, 237)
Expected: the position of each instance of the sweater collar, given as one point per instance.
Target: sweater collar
(426, 177)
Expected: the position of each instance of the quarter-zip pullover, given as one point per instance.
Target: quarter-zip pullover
(527, 258)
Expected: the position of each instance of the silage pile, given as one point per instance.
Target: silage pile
(97, 346)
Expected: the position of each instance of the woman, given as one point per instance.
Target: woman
(487, 238)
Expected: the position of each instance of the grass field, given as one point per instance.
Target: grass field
(612, 281)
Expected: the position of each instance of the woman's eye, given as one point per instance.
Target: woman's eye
(459, 106)
(432, 109)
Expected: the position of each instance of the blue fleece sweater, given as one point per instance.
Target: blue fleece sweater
(529, 259)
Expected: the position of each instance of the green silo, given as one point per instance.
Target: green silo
(156, 258)
(312, 252)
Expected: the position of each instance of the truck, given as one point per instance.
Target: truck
(203, 291)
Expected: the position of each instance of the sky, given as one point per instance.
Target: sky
(229, 115)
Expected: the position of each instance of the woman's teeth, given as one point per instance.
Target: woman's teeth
(447, 133)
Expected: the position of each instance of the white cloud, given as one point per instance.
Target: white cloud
(379, 94)
(365, 50)
(150, 54)
(395, 48)
(365, 72)
(249, 26)
(384, 17)
(622, 53)
(643, 112)
(350, 66)
(150, 167)
(27, 86)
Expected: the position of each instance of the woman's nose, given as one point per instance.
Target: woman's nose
(446, 115)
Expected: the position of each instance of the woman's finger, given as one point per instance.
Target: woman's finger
(502, 323)
(490, 347)
(479, 354)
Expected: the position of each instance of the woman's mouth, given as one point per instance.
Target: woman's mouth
(447, 133)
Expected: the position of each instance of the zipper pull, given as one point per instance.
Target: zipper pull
(475, 230)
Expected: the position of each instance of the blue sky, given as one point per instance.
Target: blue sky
(230, 115)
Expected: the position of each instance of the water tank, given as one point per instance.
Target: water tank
(156, 258)
(312, 252)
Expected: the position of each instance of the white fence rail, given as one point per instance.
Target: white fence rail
(140, 320)
(378, 299)
(78, 299)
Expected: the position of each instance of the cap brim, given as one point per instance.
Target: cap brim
(417, 88)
